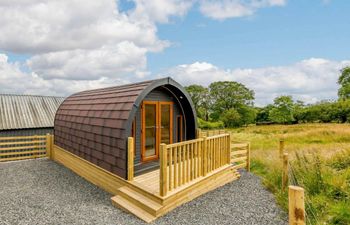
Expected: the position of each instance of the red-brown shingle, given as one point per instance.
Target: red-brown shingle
(91, 125)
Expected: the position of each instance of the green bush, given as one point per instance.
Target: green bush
(340, 213)
(210, 125)
(231, 118)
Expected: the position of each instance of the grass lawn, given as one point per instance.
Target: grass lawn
(320, 160)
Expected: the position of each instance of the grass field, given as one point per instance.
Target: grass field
(320, 162)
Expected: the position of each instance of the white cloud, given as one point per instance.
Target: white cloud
(160, 10)
(309, 80)
(224, 9)
(119, 60)
(76, 39)
(14, 81)
(52, 25)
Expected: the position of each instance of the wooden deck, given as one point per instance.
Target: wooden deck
(149, 180)
(187, 170)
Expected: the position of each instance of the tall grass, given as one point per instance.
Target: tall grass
(319, 162)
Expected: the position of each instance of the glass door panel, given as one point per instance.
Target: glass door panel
(150, 130)
(165, 123)
(156, 127)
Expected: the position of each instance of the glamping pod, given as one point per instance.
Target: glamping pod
(95, 124)
(139, 142)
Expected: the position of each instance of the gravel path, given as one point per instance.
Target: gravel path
(44, 192)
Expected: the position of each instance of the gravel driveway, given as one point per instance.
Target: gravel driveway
(44, 192)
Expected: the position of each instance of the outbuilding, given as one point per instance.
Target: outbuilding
(96, 124)
(27, 115)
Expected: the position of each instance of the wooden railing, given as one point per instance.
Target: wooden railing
(25, 147)
(209, 133)
(240, 155)
(183, 162)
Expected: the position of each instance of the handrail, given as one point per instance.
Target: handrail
(183, 162)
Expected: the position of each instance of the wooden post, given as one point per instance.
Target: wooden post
(285, 171)
(163, 187)
(281, 148)
(248, 157)
(48, 146)
(130, 158)
(205, 156)
(296, 205)
(52, 147)
(198, 133)
(229, 148)
(35, 138)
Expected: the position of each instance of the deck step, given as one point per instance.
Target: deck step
(128, 206)
(140, 200)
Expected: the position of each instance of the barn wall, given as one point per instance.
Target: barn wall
(26, 132)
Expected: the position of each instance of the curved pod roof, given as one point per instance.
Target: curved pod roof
(95, 124)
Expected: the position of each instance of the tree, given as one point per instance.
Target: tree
(282, 111)
(247, 113)
(231, 118)
(230, 94)
(262, 114)
(201, 100)
(344, 82)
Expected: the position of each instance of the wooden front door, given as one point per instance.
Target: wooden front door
(157, 128)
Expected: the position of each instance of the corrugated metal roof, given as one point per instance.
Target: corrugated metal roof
(27, 111)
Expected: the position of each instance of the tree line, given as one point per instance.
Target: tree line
(231, 104)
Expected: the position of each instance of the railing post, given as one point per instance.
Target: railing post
(163, 187)
(296, 205)
(205, 156)
(285, 171)
(48, 146)
(198, 133)
(281, 148)
(248, 157)
(229, 148)
(130, 158)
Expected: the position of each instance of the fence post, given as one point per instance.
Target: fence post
(48, 145)
(229, 148)
(163, 187)
(248, 157)
(130, 158)
(198, 133)
(52, 147)
(296, 205)
(281, 148)
(285, 171)
(205, 156)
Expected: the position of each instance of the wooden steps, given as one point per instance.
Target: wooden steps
(144, 207)
(126, 205)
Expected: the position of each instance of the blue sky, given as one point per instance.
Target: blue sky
(273, 36)
(275, 47)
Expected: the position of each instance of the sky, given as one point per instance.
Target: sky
(275, 47)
